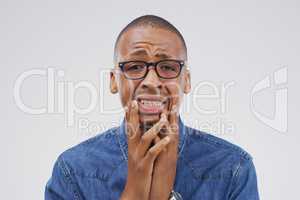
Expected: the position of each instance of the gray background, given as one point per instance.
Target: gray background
(240, 41)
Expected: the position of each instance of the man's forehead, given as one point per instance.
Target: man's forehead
(154, 41)
(160, 53)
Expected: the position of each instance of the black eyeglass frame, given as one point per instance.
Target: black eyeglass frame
(154, 64)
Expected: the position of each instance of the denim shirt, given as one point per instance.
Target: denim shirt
(208, 168)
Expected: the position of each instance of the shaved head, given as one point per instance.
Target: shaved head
(153, 22)
(150, 39)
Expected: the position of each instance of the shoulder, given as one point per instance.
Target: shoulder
(95, 157)
(207, 153)
(213, 143)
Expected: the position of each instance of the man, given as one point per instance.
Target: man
(152, 155)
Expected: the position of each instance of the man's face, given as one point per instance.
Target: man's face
(153, 94)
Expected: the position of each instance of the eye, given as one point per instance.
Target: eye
(168, 68)
(134, 67)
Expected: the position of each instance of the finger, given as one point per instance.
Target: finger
(173, 115)
(127, 113)
(132, 124)
(134, 119)
(154, 151)
(149, 136)
(156, 140)
(127, 118)
(173, 120)
(163, 131)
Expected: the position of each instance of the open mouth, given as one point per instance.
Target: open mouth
(151, 104)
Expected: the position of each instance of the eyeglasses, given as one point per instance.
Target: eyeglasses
(166, 69)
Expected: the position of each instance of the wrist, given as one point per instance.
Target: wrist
(128, 194)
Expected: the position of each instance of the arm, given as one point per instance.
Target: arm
(61, 185)
(244, 185)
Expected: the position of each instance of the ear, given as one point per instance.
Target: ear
(187, 81)
(113, 83)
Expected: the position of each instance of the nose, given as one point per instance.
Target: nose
(151, 81)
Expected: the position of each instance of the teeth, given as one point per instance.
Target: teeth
(151, 103)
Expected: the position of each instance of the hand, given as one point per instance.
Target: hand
(141, 156)
(165, 165)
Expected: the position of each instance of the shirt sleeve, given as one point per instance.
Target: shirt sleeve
(61, 185)
(244, 186)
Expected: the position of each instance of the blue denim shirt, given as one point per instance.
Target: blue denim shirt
(208, 168)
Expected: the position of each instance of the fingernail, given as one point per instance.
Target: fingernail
(173, 108)
(167, 139)
(163, 116)
(134, 104)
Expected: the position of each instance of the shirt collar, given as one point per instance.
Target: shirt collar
(122, 138)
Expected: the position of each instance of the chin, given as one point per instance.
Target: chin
(149, 119)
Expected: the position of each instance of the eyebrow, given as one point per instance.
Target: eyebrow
(143, 52)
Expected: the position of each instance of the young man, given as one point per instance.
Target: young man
(152, 155)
